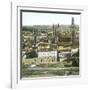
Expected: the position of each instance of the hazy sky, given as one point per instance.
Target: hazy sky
(32, 18)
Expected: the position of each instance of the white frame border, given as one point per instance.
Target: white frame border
(15, 46)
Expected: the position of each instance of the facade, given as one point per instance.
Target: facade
(47, 54)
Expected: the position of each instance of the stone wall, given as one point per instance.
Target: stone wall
(40, 60)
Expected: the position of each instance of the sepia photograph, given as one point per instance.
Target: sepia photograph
(49, 44)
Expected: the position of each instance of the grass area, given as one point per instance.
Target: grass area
(54, 65)
(34, 73)
(59, 70)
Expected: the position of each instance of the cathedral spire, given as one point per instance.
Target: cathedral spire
(72, 22)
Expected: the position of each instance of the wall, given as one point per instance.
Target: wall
(5, 44)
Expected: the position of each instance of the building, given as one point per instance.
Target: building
(47, 54)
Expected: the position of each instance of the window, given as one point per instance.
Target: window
(53, 32)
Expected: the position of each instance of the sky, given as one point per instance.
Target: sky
(33, 18)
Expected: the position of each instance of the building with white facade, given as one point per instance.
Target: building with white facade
(47, 54)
